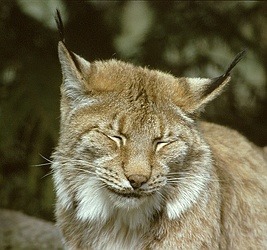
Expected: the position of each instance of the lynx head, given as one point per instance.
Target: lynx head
(129, 140)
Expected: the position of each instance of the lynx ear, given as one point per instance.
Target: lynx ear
(204, 90)
(75, 71)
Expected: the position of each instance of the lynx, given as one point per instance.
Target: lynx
(135, 169)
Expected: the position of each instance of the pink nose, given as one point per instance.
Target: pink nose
(137, 180)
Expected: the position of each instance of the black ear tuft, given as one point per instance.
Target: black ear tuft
(60, 26)
(238, 57)
(216, 82)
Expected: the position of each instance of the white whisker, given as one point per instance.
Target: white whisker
(42, 164)
(46, 158)
(48, 174)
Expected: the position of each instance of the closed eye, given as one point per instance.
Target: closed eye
(161, 144)
(120, 140)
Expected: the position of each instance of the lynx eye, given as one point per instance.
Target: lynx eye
(118, 139)
(161, 144)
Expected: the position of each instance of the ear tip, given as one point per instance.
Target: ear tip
(62, 47)
(61, 44)
(62, 51)
(228, 79)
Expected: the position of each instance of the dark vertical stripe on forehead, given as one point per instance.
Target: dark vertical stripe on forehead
(118, 122)
(162, 127)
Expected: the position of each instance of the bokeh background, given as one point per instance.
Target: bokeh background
(185, 38)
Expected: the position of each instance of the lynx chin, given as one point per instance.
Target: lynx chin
(134, 168)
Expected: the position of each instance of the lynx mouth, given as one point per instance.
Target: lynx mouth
(129, 195)
(127, 200)
(126, 195)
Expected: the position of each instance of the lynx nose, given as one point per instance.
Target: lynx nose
(137, 180)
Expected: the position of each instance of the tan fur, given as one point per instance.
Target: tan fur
(134, 169)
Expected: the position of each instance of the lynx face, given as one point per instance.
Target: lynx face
(129, 141)
(132, 158)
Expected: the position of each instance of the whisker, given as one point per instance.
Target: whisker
(48, 174)
(185, 177)
(42, 164)
(178, 180)
(46, 158)
(88, 171)
(49, 162)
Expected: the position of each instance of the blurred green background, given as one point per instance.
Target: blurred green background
(197, 39)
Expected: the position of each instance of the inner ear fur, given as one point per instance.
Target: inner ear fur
(75, 71)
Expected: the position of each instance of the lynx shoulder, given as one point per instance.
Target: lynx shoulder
(135, 169)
